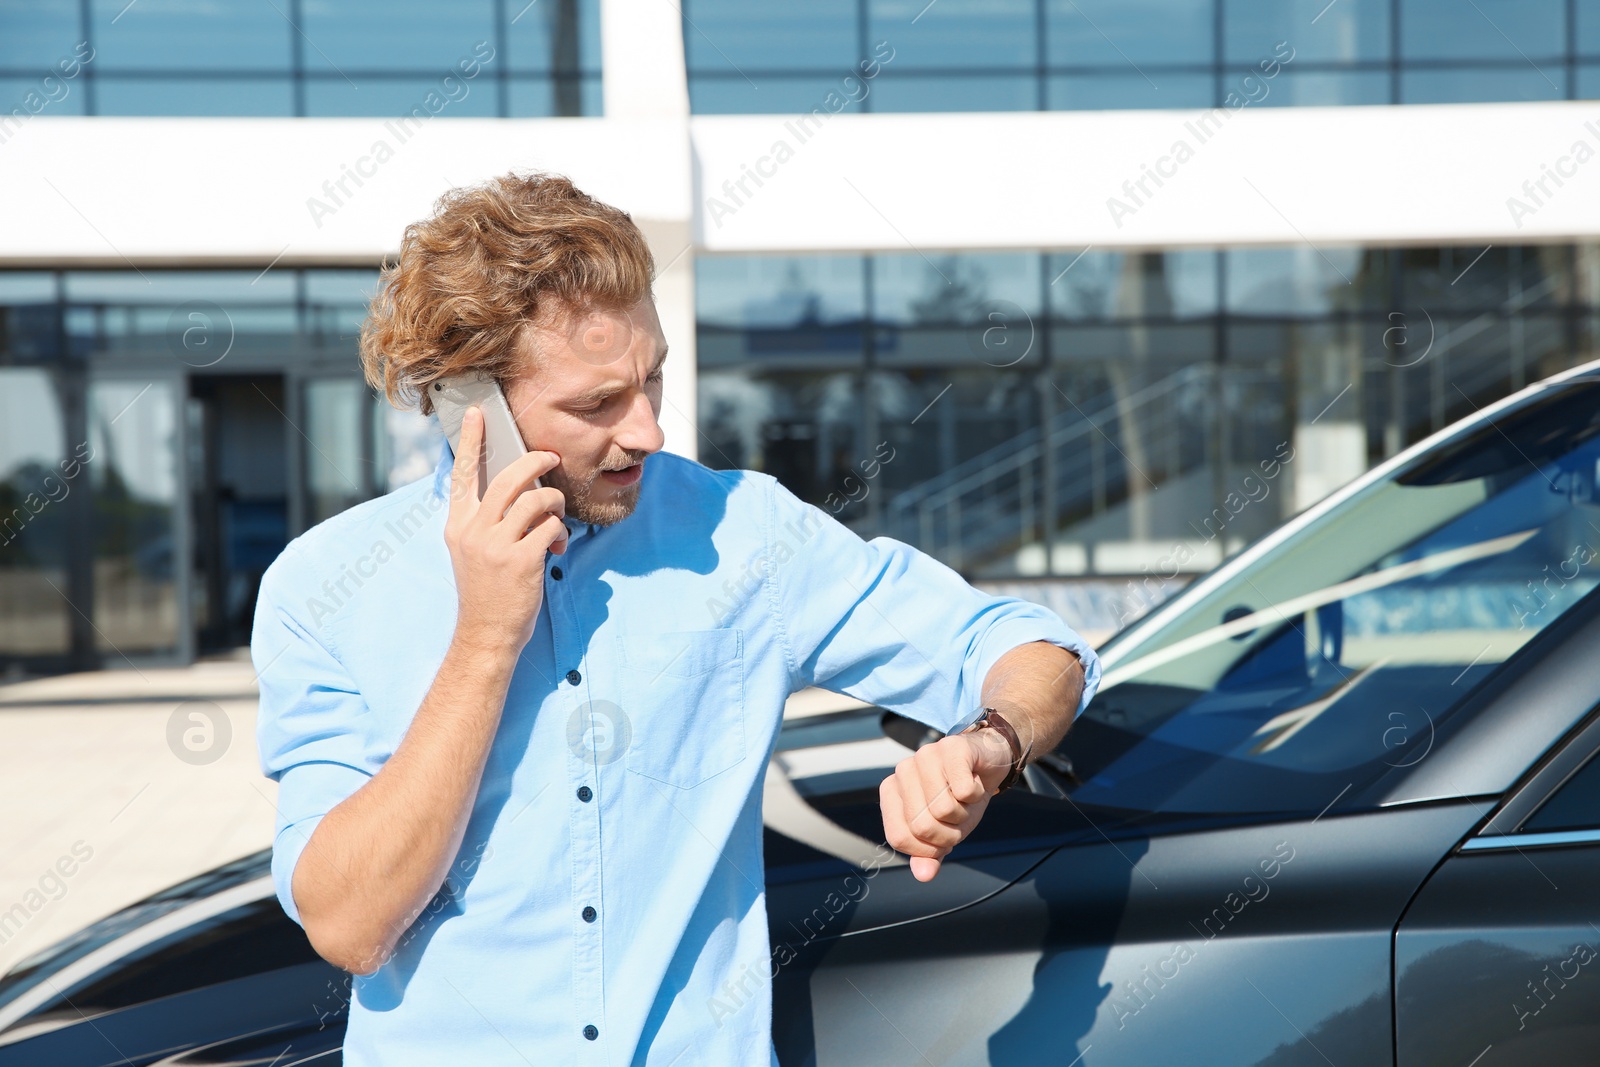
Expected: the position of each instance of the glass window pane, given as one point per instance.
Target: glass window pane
(900, 91)
(337, 301)
(1154, 88)
(27, 286)
(766, 291)
(1474, 85)
(354, 286)
(1588, 87)
(174, 286)
(1588, 42)
(772, 94)
(1297, 281)
(1146, 352)
(1314, 30)
(553, 35)
(190, 36)
(401, 35)
(1107, 285)
(1134, 409)
(957, 33)
(47, 94)
(536, 96)
(793, 425)
(1586, 280)
(38, 33)
(36, 476)
(1125, 33)
(335, 471)
(963, 289)
(133, 432)
(193, 96)
(751, 35)
(1482, 29)
(1479, 356)
(1575, 806)
(935, 432)
(1310, 88)
(414, 99)
(185, 315)
(772, 309)
(1476, 277)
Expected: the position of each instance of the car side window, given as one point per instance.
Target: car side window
(1575, 806)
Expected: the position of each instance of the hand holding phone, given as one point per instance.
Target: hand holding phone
(498, 542)
(502, 442)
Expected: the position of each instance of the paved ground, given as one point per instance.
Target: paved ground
(118, 783)
(103, 809)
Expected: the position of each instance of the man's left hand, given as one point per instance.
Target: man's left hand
(936, 796)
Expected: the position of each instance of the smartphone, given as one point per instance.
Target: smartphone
(502, 441)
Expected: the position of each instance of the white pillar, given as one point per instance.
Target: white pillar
(646, 88)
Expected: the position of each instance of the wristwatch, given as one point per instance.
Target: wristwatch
(993, 720)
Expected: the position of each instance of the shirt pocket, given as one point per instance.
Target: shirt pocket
(683, 697)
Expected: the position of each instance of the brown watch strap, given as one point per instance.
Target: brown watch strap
(997, 722)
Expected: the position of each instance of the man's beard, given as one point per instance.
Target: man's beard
(580, 497)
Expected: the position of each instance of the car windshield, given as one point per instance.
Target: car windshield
(1334, 656)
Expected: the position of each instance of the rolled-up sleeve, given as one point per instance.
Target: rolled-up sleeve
(885, 623)
(312, 724)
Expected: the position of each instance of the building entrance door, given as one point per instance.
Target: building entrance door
(239, 498)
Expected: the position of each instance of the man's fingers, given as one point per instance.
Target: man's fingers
(516, 479)
(949, 780)
(917, 801)
(932, 802)
(890, 803)
(528, 508)
(925, 827)
(897, 812)
(961, 771)
(549, 534)
(464, 472)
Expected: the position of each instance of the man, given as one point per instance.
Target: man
(520, 741)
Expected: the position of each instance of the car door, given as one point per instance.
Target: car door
(1265, 944)
(1498, 959)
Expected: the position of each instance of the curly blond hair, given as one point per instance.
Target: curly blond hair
(491, 259)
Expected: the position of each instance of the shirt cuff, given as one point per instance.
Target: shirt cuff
(1013, 633)
(286, 849)
(306, 792)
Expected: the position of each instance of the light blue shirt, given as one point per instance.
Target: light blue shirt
(626, 775)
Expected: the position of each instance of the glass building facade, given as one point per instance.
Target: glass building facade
(1049, 414)
(152, 416)
(1063, 55)
(511, 58)
(1017, 414)
(305, 58)
(1024, 414)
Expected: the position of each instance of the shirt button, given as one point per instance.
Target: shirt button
(555, 572)
(589, 915)
(574, 677)
(585, 794)
(590, 1032)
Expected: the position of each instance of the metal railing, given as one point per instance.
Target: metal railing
(1024, 489)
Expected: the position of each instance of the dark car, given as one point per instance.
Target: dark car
(1334, 804)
